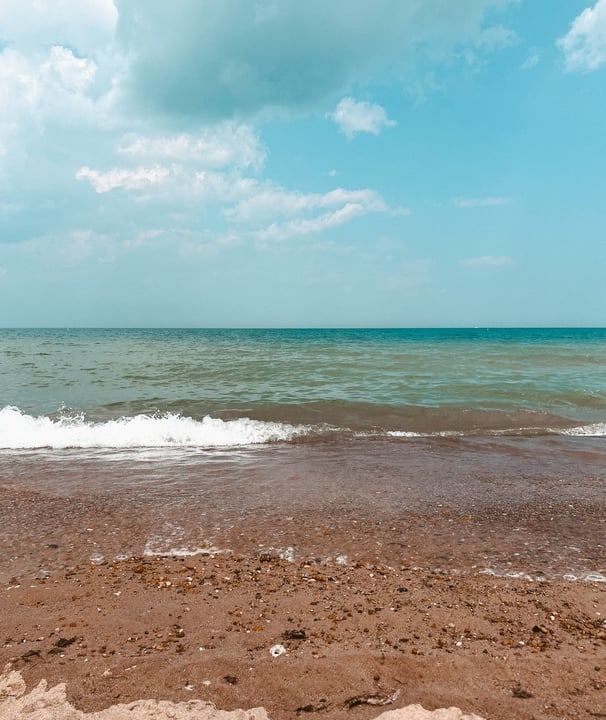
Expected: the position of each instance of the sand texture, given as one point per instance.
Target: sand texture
(43, 703)
(357, 641)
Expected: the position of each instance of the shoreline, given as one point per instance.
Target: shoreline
(528, 507)
(363, 560)
(202, 627)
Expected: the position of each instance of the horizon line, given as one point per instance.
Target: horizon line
(303, 327)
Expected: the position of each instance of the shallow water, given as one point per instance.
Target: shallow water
(530, 505)
(471, 449)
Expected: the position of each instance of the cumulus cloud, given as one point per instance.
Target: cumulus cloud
(149, 100)
(74, 74)
(584, 45)
(354, 117)
(488, 261)
(465, 203)
(51, 86)
(236, 57)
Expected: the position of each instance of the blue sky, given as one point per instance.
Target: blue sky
(276, 163)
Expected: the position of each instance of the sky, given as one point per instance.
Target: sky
(278, 163)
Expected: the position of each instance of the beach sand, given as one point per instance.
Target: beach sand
(367, 562)
(353, 641)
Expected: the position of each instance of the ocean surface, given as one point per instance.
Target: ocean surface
(208, 388)
(183, 440)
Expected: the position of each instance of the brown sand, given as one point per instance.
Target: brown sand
(358, 640)
(44, 703)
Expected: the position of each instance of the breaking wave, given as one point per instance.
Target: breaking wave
(19, 431)
(592, 430)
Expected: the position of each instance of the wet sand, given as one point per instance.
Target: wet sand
(371, 566)
(535, 506)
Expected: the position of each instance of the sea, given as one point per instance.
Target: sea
(467, 450)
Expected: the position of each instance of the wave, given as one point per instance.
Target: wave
(591, 430)
(19, 431)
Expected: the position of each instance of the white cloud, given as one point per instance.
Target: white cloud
(222, 188)
(488, 261)
(268, 212)
(83, 25)
(121, 178)
(584, 46)
(354, 117)
(75, 74)
(269, 201)
(136, 97)
(465, 203)
(257, 209)
(531, 61)
(51, 86)
(225, 145)
(305, 226)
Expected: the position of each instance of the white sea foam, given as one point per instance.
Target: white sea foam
(593, 430)
(171, 540)
(404, 434)
(594, 577)
(21, 431)
(152, 549)
(590, 577)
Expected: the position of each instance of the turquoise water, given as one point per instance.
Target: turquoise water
(315, 381)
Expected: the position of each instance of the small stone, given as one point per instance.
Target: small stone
(519, 692)
(539, 629)
(294, 634)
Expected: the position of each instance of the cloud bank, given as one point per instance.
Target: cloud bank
(125, 114)
(235, 58)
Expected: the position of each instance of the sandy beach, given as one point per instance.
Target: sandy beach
(311, 639)
(310, 582)
(302, 360)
